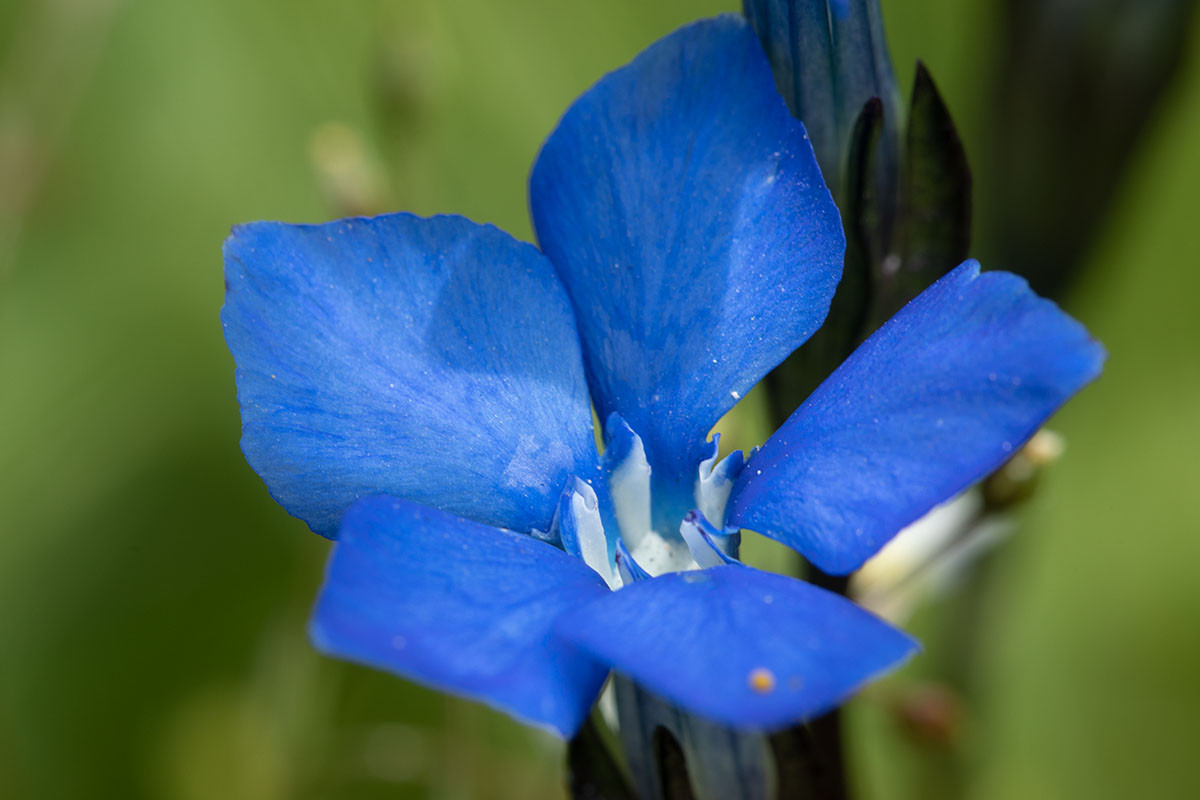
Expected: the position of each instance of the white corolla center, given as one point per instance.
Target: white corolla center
(715, 482)
(629, 485)
(687, 548)
(704, 548)
(580, 527)
(658, 555)
(635, 550)
(589, 532)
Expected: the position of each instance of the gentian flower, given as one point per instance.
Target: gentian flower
(422, 390)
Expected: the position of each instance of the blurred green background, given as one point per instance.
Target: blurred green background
(153, 598)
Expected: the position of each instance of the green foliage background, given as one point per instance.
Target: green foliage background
(152, 596)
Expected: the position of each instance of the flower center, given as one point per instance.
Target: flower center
(697, 540)
(621, 542)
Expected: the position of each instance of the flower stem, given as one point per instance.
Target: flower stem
(592, 771)
(805, 767)
(811, 759)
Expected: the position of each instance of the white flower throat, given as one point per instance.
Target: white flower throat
(699, 542)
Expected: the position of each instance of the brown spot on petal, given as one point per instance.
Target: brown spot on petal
(761, 680)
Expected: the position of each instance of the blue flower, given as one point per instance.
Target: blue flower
(422, 390)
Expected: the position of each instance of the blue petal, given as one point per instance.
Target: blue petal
(461, 607)
(681, 205)
(940, 396)
(738, 646)
(433, 359)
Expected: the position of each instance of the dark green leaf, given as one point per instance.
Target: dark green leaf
(933, 232)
